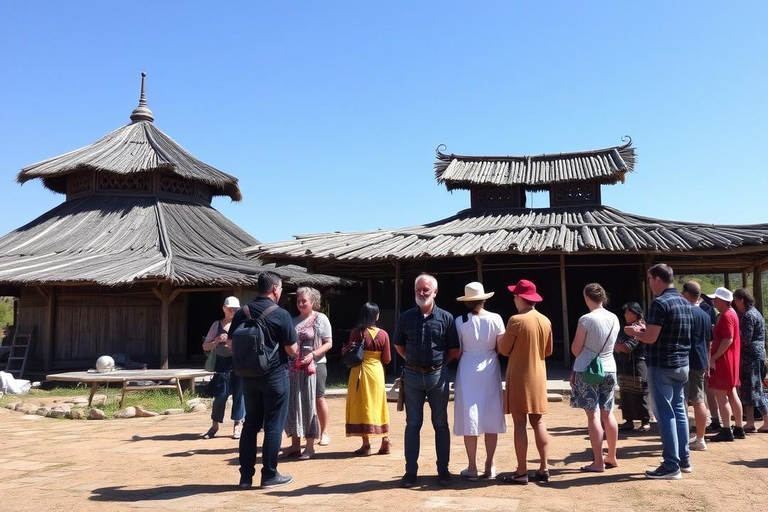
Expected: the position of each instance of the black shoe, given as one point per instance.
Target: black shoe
(627, 425)
(245, 483)
(276, 481)
(725, 434)
(714, 426)
(408, 480)
(662, 473)
(738, 433)
(445, 478)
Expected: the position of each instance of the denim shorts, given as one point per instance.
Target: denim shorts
(591, 397)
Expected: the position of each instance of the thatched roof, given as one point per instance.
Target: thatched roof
(522, 231)
(115, 241)
(135, 148)
(606, 166)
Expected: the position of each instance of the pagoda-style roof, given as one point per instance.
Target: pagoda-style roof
(114, 241)
(604, 166)
(139, 147)
(595, 229)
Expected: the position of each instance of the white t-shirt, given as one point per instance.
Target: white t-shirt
(598, 324)
(323, 326)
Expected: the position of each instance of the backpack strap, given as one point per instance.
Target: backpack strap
(247, 311)
(268, 311)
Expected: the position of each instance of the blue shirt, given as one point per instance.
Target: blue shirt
(426, 339)
(675, 316)
(701, 335)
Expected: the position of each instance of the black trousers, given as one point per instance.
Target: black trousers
(266, 406)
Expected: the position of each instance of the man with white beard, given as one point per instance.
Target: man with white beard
(426, 339)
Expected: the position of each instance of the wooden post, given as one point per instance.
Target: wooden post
(648, 292)
(744, 277)
(370, 290)
(757, 288)
(479, 260)
(166, 295)
(564, 302)
(398, 305)
(727, 280)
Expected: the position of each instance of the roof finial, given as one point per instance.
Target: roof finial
(142, 112)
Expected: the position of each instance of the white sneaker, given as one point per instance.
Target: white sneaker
(698, 445)
(489, 474)
(325, 440)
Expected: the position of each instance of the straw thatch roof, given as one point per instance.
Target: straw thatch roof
(115, 241)
(586, 229)
(135, 148)
(606, 166)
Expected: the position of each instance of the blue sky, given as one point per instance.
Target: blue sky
(329, 112)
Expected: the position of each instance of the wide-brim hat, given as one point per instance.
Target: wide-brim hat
(474, 291)
(525, 290)
(722, 293)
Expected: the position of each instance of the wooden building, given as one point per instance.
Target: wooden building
(135, 260)
(499, 240)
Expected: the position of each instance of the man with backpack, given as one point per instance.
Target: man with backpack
(262, 337)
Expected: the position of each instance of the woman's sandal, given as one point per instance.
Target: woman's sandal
(363, 450)
(386, 447)
(306, 456)
(211, 433)
(645, 427)
(516, 479)
(237, 431)
(539, 476)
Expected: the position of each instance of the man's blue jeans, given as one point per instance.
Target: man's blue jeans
(434, 388)
(667, 387)
(266, 406)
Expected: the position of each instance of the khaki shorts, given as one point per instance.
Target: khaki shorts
(695, 387)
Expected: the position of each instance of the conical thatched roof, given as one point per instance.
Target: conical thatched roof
(134, 148)
(114, 241)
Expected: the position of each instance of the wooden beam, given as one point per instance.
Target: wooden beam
(744, 276)
(398, 305)
(50, 328)
(166, 295)
(370, 290)
(757, 288)
(479, 260)
(564, 303)
(727, 280)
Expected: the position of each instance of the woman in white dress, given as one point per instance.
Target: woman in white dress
(478, 406)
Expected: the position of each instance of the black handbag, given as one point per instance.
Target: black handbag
(354, 356)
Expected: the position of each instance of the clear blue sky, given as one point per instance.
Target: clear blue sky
(329, 112)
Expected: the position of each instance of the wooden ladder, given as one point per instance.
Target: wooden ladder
(17, 358)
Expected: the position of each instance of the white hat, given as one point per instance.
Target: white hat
(231, 302)
(473, 292)
(722, 293)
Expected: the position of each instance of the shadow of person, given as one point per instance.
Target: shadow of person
(169, 437)
(164, 492)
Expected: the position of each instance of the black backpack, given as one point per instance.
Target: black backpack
(250, 355)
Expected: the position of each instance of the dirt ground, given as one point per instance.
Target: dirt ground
(162, 463)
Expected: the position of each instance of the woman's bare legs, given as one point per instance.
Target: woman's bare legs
(542, 439)
(611, 428)
(595, 440)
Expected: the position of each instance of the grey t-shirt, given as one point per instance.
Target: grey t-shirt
(600, 325)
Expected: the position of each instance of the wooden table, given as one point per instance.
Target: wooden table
(126, 376)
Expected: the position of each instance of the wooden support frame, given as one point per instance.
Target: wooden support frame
(166, 294)
(479, 260)
(50, 325)
(757, 287)
(564, 303)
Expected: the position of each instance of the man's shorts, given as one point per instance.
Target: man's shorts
(322, 375)
(695, 387)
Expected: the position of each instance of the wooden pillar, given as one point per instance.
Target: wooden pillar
(166, 295)
(479, 260)
(398, 305)
(564, 303)
(727, 280)
(648, 292)
(370, 290)
(757, 288)
(744, 278)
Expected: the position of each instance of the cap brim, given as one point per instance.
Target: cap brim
(484, 296)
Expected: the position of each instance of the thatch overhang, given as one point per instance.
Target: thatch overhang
(139, 147)
(605, 166)
(116, 241)
(569, 231)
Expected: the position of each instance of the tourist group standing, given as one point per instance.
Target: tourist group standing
(662, 360)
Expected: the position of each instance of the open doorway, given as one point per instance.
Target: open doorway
(203, 308)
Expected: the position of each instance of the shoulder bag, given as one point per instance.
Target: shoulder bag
(594, 374)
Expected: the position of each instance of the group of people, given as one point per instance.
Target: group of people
(660, 360)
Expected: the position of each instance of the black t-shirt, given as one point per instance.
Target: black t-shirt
(279, 324)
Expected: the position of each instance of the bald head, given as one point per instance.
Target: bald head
(692, 292)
